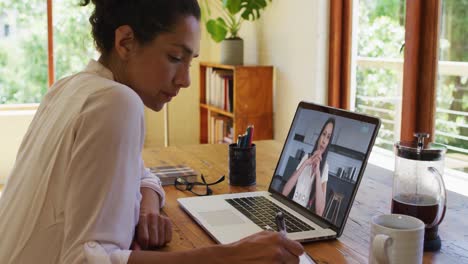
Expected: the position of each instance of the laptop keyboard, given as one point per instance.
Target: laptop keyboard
(263, 211)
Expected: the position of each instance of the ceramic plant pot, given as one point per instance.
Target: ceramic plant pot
(232, 51)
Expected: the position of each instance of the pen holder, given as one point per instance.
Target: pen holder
(242, 169)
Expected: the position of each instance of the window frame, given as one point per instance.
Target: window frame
(50, 44)
(339, 53)
(419, 69)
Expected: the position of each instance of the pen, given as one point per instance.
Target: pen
(251, 135)
(280, 224)
(247, 135)
(244, 140)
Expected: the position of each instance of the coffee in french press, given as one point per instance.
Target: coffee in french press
(418, 186)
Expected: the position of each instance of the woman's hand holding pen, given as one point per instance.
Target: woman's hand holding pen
(265, 247)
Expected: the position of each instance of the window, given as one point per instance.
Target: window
(451, 125)
(378, 77)
(73, 43)
(395, 73)
(24, 48)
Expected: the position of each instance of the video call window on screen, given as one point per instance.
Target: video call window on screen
(327, 148)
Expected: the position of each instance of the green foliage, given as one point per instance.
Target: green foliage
(25, 70)
(217, 28)
(394, 9)
(33, 64)
(452, 91)
(454, 28)
(233, 13)
(233, 6)
(74, 44)
(443, 119)
(381, 35)
(251, 9)
(23, 55)
(383, 38)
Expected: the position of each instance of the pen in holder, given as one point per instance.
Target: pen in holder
(242, 168)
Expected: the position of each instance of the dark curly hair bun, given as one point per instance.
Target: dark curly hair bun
(147, 18)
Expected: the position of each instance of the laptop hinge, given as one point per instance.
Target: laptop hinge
(302, 211)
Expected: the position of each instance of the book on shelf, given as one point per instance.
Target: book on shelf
(168, 174)
(219, 86)
(220, 128)
(347, 173)
(208, 84)
(227, 140)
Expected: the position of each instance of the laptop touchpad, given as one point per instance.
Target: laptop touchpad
(221, 217)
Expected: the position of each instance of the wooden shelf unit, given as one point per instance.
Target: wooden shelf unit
(252, 101)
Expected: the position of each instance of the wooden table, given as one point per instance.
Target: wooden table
(374, 197)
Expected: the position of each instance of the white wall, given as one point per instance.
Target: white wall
(293, 37)
(13, 126)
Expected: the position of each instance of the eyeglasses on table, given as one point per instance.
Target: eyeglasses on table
(197, 188)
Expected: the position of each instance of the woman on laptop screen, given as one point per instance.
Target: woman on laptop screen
(303, 186)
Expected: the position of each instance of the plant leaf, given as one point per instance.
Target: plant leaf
(251, 8)
(217, 29)
(233, 6)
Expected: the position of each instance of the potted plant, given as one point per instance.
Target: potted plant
(225, 28)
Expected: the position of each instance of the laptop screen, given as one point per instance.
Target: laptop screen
(322, 158)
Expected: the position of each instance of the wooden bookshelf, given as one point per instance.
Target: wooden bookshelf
(215, 109)
(250, 101)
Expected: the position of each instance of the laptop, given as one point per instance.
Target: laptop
(341, 138)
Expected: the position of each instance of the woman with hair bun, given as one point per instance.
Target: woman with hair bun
(79, 192)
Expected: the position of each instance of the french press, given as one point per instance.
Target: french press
(418, 186)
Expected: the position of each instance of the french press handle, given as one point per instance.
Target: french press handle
(443, 194)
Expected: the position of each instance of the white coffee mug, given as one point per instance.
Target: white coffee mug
(396, 238)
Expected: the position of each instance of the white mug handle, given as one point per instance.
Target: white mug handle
(379, 248)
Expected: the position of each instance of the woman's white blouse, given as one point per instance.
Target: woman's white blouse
(73, 195)
(304, 182)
